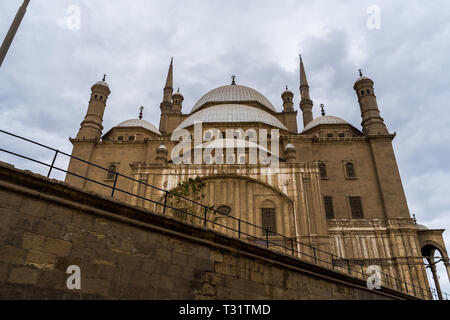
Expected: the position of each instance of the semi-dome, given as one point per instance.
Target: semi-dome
(139, 123)
(231, 113)
(324, 120)
(233, 93)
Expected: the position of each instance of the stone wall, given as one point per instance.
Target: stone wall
(125, 252)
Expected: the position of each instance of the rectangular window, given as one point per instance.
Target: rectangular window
(268, 220)
(329, 212)
(356, 207)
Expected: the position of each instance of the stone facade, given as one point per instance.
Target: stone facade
(126, 252)
(354, 170)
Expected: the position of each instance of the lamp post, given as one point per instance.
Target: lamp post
(12, 30)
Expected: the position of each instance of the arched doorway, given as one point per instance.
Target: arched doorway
(432, 256)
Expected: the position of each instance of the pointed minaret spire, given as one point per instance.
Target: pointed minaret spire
(303, 80)
(306, 103)
(166, 105)
(168, 88)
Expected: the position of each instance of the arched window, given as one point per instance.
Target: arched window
(130, 138)
(323, 170)
(350, 169)
(120, 138)
(112, 172)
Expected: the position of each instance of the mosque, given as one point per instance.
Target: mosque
(335, 186)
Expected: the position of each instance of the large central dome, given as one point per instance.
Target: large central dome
(233, 93)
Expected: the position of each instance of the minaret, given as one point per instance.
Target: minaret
(12, 30)
(372, 122)
(166, 104)
(177, 99)
(306, 103)
(91, 127)
(288, 97)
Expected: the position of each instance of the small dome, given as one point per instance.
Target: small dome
(289, 146)
(362, 78)
(324, 120)
(102, 83)
(139, 123)
(231, 113)
(287, 91)
(231, 93)
(163, 147)
(421, 227)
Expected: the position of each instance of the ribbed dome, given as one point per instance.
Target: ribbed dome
(233, 93)
(231, 113)
(324, 120)
(139, 123)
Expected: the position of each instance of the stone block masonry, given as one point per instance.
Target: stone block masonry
(125, 252)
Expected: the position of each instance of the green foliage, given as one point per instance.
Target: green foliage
(192, 189)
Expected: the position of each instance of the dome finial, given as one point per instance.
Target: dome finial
(233, 79)
(300, 56)
(178, 90)
(140, 113)
(104, 77)
(360, 72)
(322, 108)
(287, 87)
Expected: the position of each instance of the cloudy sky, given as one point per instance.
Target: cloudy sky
(63, 47)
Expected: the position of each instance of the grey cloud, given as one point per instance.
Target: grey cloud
(46, 78)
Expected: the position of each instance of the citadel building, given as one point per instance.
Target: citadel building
(336, 187)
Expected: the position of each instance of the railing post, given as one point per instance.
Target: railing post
(362, 271)
(165, 202)
(332, 261)
(348, 265)
(267, 238)
(114, 185)
(239, 228)
(292, 247)
(314, 253)
(206, 213)
(53, 163)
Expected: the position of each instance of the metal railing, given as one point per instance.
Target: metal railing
(270, 239)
